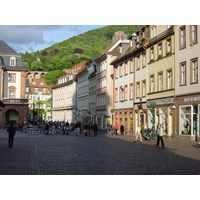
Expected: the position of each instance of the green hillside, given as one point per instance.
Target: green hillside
(61, 55)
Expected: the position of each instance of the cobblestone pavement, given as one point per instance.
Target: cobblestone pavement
(101, 155)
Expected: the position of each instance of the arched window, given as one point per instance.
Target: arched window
(13, 61)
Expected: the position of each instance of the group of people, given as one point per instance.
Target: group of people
(159, 134)
(88, 129)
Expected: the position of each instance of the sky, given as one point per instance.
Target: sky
(31, 38)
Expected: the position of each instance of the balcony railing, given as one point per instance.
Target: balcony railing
(15, 101)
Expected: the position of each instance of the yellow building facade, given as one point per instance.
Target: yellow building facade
(160, 76)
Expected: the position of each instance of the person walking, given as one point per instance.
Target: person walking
(90, 127)
(160, 132)
(138, 134)
(78, 128)
(11, 133)
(122, 129)
(95, 129)
(116, 127)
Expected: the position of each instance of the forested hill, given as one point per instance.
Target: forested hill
(61, 55)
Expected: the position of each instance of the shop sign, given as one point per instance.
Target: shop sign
(189, 99)
(160, 101)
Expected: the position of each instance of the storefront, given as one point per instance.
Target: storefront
(124, 117)
(161, 111)
(188, 113)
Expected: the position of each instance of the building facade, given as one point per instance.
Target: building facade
(161, 76)
(83, 96)
(39, 95)
(64, 106)
(12, 87)
(187, 83)
(104, 88)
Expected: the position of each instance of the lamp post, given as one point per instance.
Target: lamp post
(153, 119)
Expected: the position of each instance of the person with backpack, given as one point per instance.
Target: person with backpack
(11, 133)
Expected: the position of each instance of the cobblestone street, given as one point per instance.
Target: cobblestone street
(101, 155)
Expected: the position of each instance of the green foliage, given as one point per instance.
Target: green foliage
(52, 76)
(60, 55)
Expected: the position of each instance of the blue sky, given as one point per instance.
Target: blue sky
(30, 38)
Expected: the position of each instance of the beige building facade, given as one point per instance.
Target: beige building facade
(187, 82)
(161, 77)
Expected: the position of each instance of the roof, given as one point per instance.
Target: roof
(5, 49)
(40, 84)
(6, 53)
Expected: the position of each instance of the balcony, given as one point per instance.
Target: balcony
(15, 101)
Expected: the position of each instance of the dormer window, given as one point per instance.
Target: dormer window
(12, 61)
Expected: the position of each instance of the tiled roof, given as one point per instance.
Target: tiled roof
(40, 84)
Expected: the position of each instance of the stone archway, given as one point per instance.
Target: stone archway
(12, 116)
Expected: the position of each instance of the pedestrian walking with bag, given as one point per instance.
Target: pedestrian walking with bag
(11, 133)
(138, 134)
(160, 132)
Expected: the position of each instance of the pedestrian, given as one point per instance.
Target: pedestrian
(78, 128)
(116, 127)
(47, 128)
(108, 127)
(138, 134)
(95, 129)
(90, 127)
(160, 136)
(122, 129)
(11, 133)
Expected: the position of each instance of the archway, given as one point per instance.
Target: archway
(12, 116)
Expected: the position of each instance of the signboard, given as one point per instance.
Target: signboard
(161, 101)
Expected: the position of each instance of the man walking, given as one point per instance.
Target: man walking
(11, 133)
(138, 134)
(160, 136)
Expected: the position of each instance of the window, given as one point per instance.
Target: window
(144, 60)
(183, 73)
(12, 78)
(116, 94)
(153, 31)
(125, 92)
(12, 61)
(160, 81)
(121, 94)
(182, 35)
(138, 90)
(160, 50)
(12, 95)
(131, 66)
(44, 90)
(144, 88)
(116, 72)
(138, 62)
(194, 70)
(193, 34)
(125, 69)
(169, 46)
(36, 89)
(131, 91)
(169, 79)
(152, 83)
(121, 70)
(151, 54)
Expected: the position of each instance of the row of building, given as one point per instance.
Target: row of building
(149, 78)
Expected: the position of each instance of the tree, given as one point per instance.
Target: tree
(36, 65)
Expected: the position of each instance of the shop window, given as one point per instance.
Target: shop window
(189, 120)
